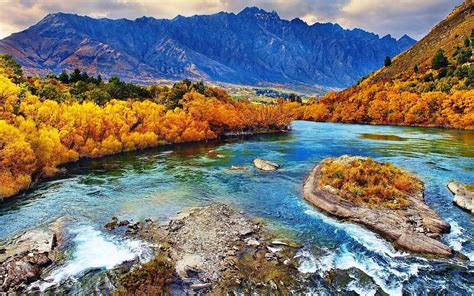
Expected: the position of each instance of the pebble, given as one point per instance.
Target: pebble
(253, 242)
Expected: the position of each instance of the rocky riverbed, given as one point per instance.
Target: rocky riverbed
(216, 249)
(415, 227)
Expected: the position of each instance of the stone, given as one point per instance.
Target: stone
(463, 195)
(124, 223)
(253, 242)
(265, 165)
(286, 243)
(25, 255)
(414, 228)
(201, 286)
(112, 224)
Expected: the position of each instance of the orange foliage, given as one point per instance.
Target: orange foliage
(388, 104)
(36, 136)
(366, 181)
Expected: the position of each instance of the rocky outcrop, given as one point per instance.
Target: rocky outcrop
(218, 249)
(265, 165)
(414, 228)
(463, 195)
(23, 257)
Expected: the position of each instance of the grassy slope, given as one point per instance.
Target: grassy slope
(448, 34)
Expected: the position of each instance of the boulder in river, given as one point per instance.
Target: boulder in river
(463, 195)
(265, 165)
(405, 220)
(25, 255)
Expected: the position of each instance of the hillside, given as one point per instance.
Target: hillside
(431, 84)
(447, 35)
(251, 47)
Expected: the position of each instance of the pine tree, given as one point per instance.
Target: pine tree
(439, 60)
(388, 61)
(64, 77)
(467, 42)
(75, 76)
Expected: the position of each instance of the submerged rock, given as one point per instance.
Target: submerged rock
(413, 227)
(463, 195)
(265, 165)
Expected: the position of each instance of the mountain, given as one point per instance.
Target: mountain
(250, 47)
(430, 84)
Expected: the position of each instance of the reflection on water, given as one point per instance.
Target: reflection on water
(382, 137)
(159, 182)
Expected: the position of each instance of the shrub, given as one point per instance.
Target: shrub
(439, 60)
(364, 181)
(152, 278)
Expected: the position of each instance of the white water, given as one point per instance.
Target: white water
(389, 277)
(456, 238)
(94, 249)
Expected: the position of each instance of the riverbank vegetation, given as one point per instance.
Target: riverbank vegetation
(364, 181)
(47, 122)
(440, 94)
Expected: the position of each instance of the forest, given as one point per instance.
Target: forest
(50, 121)
(46, 122)
(438, 95)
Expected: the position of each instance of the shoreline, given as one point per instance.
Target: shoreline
(63, 167)
(222, 137)
(427, 126)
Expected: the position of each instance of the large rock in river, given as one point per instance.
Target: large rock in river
(463, 195)
(412, 227)
(265, 165)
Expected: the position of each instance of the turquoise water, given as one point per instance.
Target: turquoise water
(160, 182)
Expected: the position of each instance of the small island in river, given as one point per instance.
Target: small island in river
(380, 196)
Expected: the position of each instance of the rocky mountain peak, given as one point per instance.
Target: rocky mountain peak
(251, 47)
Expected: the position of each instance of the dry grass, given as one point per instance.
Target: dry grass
(446, 35)
(151, 278)
(364, 181)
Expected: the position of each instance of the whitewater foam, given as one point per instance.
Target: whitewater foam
(389, 269)
(94, 249)
(457, 237)
(363, 236)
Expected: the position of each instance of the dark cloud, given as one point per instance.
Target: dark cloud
(414, 17)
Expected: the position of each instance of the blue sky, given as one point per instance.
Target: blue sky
(413, 17)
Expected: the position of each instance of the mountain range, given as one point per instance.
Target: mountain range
(250, 47)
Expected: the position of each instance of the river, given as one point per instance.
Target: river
(158, 183)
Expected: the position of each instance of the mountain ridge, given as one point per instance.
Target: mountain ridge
(249, 47)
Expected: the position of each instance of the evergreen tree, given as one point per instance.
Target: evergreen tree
(84, 76)
(75, 76)
(64, 77)
(415, 69)
(388, 61)
(439, 60)
(467, 42)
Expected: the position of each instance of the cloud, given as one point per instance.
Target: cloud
(414, 17)
(396, 17)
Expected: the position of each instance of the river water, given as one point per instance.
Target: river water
(160, 182)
